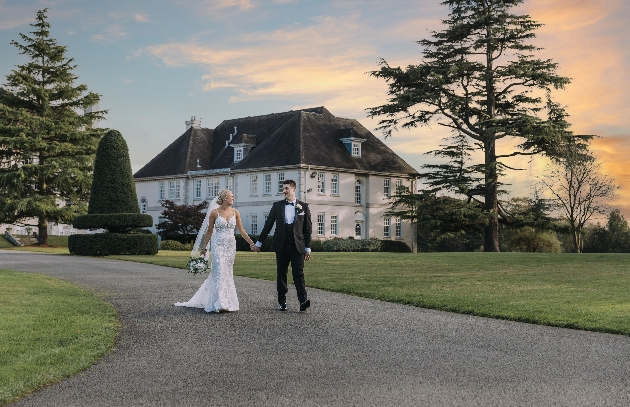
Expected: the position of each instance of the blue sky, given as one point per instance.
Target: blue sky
(157, 63)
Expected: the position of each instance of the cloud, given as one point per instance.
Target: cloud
(112, 33)
(142, 18)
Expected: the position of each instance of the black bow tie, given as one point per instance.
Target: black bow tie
(287, 202)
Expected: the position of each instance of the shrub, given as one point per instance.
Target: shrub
(351, 245)
(396, 246)
(317, 245)
(114, 222)
(105, 244)
(113, 189)
(175, 245)
(528, 239)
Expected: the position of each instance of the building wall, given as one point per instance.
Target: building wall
(255, 205)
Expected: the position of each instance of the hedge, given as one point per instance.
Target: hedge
(364, 245)
(105, 244)
(175, 245)
(113, 221)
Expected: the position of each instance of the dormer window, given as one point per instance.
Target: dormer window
(238, 154)
(351, 142)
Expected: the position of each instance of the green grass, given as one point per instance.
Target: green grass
(59, 242)
(582, 291)
(49, 330)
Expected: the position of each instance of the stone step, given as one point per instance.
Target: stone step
(26, 240)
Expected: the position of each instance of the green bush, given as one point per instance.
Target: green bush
(175, 245)
(113, 188)
(105, 244)
(528, 239)
(317, 245)
(395, 246)
(114, 222)
(351, 245)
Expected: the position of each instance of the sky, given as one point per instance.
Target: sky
(156, 63)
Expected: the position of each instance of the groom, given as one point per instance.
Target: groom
(291, 242)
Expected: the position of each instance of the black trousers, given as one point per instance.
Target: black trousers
(290, 254)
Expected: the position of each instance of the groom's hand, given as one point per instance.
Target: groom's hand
(254, 248)
(307, 256)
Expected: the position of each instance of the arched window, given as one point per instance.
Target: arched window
(358, 192)
(143, 205)
(358, 230)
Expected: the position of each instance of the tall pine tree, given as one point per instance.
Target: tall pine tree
(47, 143)
(480, 79)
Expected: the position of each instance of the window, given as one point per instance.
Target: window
(356, 149)
(358, 192)
(213, 187)
(254, 224)
(267, 184)
(265, 218)
(173, 189)
(229, 183)
(197, 189)
(387, 227)
(398, 227)
(333, 225)
(321, 218)
(238, 154)
(280, 181)
(320, 182)
(334, 184)
(387, 187)
(143, 205)
(253, 184)
(358, 231)
(397, 184)
(161, 193)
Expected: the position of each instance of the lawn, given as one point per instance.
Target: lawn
(49, 330)
(583, 291)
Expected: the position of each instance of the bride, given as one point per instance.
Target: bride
(217, 293)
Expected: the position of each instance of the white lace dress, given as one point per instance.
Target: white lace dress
(218, 292)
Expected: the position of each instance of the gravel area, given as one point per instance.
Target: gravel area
(344, 351)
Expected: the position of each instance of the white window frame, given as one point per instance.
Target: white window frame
(334, 184)
(253, 224)
(267, 184)
(143, 205)
(358, 192)
(358, 226)
(356, 149)
(334, 221)
(229, 183)
(253, 184)
(397, 185)
(387, 227)
(173, 190)
(197, 189)
(321, 221)
(213, 187)
(280, 181)
(161, 191)
(238, 154)
(321, 183)
(387, 187)
(398, 227)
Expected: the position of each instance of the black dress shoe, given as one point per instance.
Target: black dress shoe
(283, 306)
(305, 305)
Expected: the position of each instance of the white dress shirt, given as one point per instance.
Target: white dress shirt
(289, 212)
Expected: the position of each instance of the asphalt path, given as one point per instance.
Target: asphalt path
(344, 351)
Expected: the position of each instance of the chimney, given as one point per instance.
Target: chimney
(193, 122)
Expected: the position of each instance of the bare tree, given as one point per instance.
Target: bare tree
(580, 190)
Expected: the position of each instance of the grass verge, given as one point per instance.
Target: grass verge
(49, 330)
(581, 291)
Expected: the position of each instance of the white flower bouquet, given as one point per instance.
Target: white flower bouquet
(197, 265)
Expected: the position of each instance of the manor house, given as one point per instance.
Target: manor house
(342, 171)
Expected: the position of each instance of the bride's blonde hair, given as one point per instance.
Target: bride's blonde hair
(222, 195)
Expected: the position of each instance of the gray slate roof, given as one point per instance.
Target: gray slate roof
(308, 137)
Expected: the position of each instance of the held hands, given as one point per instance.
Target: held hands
(254, 248)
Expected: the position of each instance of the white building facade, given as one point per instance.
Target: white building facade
(345, 202)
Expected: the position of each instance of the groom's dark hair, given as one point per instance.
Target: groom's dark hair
(289, 182)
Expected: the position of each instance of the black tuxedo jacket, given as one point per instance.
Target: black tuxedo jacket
(302, 226)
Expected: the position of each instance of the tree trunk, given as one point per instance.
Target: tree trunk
(491, 204)
(42, 231)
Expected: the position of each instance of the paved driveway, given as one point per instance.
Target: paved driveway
(344, 351)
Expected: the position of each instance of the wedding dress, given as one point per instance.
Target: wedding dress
(218, 291)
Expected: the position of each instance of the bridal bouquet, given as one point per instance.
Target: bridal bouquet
(197, 265)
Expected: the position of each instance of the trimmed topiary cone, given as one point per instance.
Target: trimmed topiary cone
(113, 206)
